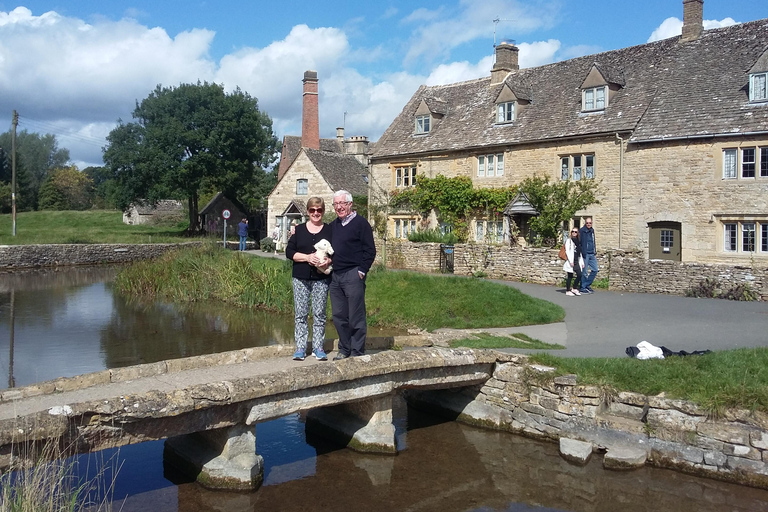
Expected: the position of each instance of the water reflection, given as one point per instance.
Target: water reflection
(446, 467)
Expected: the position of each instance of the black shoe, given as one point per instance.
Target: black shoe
(340, 356)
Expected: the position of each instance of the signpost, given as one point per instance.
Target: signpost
(226, 214)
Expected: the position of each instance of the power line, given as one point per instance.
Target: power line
(62, 133)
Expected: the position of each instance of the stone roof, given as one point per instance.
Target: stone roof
(292, 146)
(163, 205)
(340, 171)
(668, 89)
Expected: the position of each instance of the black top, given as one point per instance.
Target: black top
(304, 242)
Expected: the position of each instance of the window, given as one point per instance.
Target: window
(404, 227)
(667, 239)
(593, 99)
(506, 112)
(301, 187)
(405, 176)
(490, 165)
(753, 162)
(422, 124)
(577, 167)
(746, 236)
(758, 87)
(489, 231)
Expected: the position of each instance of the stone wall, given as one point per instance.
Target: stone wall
(626, 270)
(52, 255)
(669, 433)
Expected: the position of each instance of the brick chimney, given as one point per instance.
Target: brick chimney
(310, 122)
(506, 62)
(693, 19)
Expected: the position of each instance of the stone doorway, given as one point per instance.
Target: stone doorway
(664, 241)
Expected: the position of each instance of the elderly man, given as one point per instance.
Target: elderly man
(354, 252)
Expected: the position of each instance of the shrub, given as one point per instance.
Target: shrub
(712, 289)
(267, 244)
(432, 236)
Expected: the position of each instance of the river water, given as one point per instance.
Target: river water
(70, 322)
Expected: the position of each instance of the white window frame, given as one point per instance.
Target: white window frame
(423, 123)
(746, 236)
(405, 176)
(758, 87)
(579, 166)
(490, 231)
(730, 163)
(404, 227)
(490, 165)
(730, 241)
(302, 187)
(505, 112)
(748, 163)
(594, 99)
(745, 163)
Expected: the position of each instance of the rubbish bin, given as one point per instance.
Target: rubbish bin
(446, 258)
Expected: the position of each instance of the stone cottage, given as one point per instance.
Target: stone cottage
(311, 166)
(674, 131)
(145, 213)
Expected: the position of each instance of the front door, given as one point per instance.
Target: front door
(664, 241)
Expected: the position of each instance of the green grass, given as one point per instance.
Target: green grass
(83, 227)
(515, 340)
(716, 381)
(393, 299)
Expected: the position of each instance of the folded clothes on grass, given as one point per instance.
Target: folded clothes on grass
(645, 350)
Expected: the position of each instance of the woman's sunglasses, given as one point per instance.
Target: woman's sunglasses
(315, 210)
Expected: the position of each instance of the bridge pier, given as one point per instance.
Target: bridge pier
(218, 459)
(364, 426)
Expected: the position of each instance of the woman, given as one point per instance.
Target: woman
(308, 283)
(573, 263)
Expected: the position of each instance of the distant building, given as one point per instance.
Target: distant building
(144, 212)
(675, 131)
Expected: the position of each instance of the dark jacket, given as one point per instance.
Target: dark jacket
(304, 242)
(587, 239)
(353, 245)
(242, 229)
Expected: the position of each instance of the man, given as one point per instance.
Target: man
(242, 231)
(589, 253)
(354, 252)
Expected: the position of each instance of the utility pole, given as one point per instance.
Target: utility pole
(13, 169)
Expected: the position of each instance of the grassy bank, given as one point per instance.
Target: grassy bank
(716, 381)
(393, 299)
(83, 227)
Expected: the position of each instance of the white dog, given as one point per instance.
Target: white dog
(324, 249)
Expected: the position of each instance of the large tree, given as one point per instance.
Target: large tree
(186, 139)
(66, 189)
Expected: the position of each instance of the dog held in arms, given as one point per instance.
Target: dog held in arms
(323, 250)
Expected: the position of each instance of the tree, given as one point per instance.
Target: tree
(556, 203)
(104, 192)
(24, 194)
(187, 139)
(66, 189)
(38, 154)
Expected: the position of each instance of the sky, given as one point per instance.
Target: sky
(73, 68)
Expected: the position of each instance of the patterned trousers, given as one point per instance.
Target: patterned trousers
(305, 291)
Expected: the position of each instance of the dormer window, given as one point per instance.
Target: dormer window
(505, 112)
(422, 124)
(758, 87)
(593, 98)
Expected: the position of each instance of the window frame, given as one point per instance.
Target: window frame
(423, 124)
(755, 87)
(484, 163)
(745, 162)
(299, 188)
(403, 226)
(589, 96)
(748, 164)
(490, 231)
(505, 112)
(568, 166)
(746, 236)
(401, 176)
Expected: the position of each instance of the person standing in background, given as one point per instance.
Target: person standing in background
(589, 253)
(242, 231)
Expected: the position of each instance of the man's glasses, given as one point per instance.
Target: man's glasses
(315, 210)
(336, 205)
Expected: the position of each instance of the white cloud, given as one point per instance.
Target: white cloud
(673, 27)
(460, 71)
(538, 53)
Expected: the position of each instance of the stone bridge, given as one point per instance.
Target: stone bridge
(205, 406)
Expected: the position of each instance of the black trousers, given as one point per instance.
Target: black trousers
(348, 305)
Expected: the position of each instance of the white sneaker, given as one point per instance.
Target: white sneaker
(576, 292)
(570, 294)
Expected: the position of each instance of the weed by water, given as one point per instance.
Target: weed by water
(516, 340)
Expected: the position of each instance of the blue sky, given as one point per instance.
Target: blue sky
(73, 67)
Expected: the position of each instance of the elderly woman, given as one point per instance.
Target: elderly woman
(309, 284)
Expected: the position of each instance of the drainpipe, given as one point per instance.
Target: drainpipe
(621, 181)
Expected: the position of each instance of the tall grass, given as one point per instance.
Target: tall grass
(393, 299)
(716, 381)
(90, 226)
(54, 484)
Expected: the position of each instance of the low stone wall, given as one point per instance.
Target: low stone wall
(626, 270)
(670, 434)
(52, 255)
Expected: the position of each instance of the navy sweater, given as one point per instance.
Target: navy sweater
(352, 245)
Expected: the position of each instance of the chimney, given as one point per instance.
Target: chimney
(693, 19)
(310, 122)
(340, 134)
(506, 61)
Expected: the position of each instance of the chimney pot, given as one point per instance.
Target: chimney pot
(340, 134)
